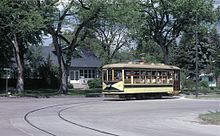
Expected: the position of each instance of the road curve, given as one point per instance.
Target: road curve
(147, 117)
(65, 106)
(86, 117)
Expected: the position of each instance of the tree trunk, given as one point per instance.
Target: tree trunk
(64, 78)
(19, 56)
(108, 55)
(165, 54)
(62, 67)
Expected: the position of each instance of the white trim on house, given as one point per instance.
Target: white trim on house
(79, 77)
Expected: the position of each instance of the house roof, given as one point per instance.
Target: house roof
(84, 58)
(47, 51)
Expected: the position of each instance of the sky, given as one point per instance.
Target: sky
(217, 1)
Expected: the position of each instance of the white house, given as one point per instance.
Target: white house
(84, 66)
(210, 78)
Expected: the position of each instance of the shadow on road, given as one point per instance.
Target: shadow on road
(137, 99)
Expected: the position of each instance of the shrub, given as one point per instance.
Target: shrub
(95, 83)
(70, 86)
(204, 87)
(189, 84)
(203, 84)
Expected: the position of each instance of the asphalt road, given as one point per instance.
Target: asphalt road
(98, 117)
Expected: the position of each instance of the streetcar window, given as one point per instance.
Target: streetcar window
(154, 77)
(170, 77)
(117, 75)
(104, 75)
(136, 77)
(127, 77)
(143, 77)
(148, 77)
(158, 77)
(109, 74)
(164, 77)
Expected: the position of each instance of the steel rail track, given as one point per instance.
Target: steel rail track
(83, 126)
(61, 117)
(47, 107)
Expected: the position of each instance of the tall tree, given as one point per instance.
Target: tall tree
(6, 51)
(20, 22)
(112, 37)
(186, 51)
(163, 20)
(76, 15)
(112, 29)
(34, 60)
(148, 51)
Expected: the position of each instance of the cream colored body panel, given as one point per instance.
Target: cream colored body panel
(149, 90)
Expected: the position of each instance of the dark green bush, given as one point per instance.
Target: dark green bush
(203, 84)
(70, 86)
(95, 83)
(204, 87)
(189, 84)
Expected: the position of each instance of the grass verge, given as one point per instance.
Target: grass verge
(96, 92)
(208, 96)
(211, 118)
(39, 93)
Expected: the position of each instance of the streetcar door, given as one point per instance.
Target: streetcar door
(176, 84)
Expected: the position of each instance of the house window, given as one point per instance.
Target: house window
(88, 73)
(81, 73)
(210, 78)
(93, 73)
(74, 75)
(85, 74)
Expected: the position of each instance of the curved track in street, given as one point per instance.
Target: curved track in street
(27, 117)
(83, 126)
(95, 117)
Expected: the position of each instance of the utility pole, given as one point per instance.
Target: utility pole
(6, 79)
(197, 72)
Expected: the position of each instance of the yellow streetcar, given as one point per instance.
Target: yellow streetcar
(140, 80)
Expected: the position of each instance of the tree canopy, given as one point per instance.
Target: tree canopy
(152, 30)
(20, 23)
(163, 20)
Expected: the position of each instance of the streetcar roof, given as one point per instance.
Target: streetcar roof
(141, 65)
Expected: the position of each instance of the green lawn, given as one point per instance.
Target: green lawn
(54, 92)
(211, 118)
(208, 96)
